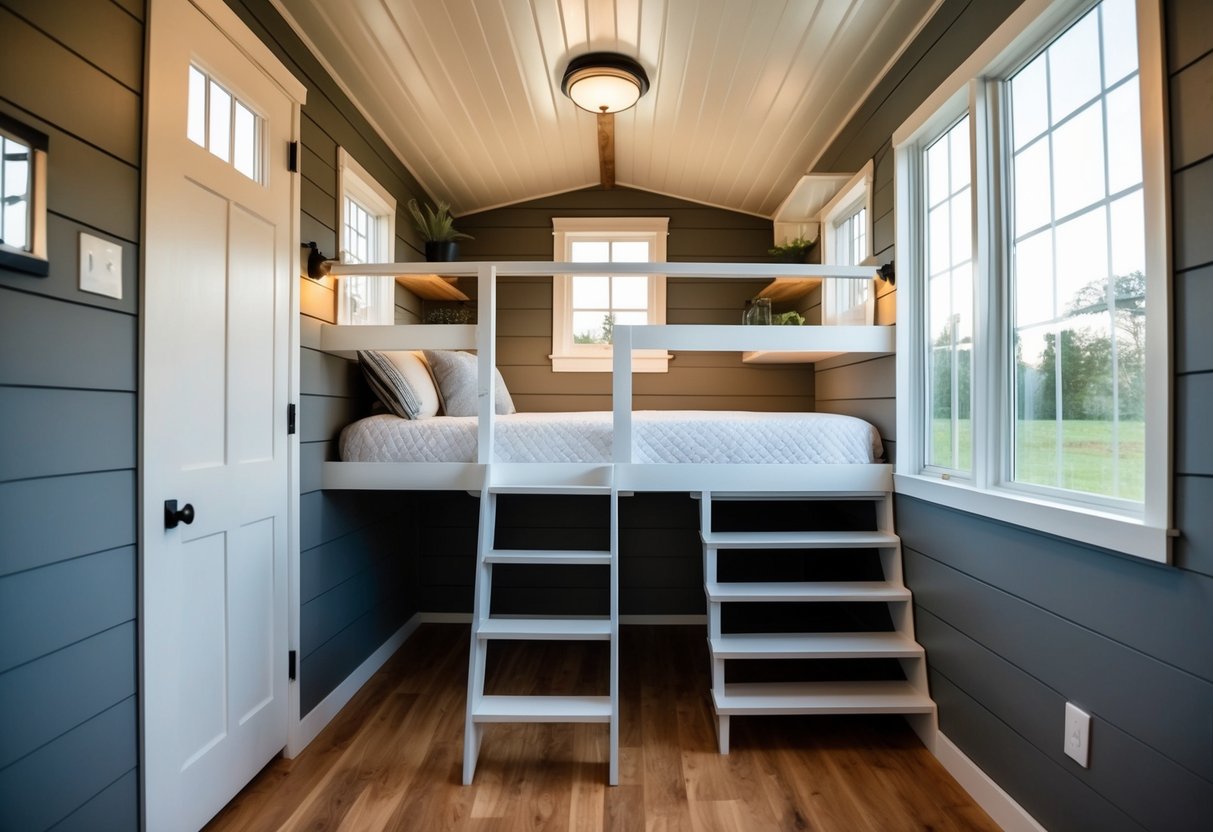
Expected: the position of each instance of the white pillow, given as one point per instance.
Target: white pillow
(455, 373)
(402, 381)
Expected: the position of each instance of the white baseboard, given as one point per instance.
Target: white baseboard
(308, 728)
(999, 805)
(655, 620)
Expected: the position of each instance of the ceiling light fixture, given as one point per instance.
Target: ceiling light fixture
(604, 82)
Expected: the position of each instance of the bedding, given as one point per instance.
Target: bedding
(669, 436)
(401, 380)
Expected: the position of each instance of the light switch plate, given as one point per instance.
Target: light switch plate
(100, 266)
(1078, 735)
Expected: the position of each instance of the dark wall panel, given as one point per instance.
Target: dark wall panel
(68, 391)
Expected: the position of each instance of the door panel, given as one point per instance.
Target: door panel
(216, 363)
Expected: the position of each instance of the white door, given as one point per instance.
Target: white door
(218, 248)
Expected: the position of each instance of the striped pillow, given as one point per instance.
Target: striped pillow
(402, 382)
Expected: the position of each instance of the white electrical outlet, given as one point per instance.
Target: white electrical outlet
(1078, 734)
(100, 266)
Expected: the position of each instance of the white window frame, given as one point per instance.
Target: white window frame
(1144, 532)
(838, 296)
(355, 182)
(568, 357)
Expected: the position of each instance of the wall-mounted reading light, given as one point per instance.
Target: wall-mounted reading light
(604, 82)
(887, 273)
(318, 265)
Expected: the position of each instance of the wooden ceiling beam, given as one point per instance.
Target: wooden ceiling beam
(606, 149)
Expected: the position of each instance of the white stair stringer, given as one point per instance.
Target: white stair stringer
(909, 696)
(482, 708)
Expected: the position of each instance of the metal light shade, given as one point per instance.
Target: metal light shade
(604, 82)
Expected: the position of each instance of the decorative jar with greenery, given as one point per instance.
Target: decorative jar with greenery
(437, 229)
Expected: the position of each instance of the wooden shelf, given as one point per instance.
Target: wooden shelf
(785, 289)
(431, 286)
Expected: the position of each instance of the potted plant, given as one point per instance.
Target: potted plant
(436, 226)
(795, 250)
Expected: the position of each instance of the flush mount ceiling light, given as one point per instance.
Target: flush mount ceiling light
(604, 82)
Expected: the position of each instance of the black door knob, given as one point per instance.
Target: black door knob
(173, 515)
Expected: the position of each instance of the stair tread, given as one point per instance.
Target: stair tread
(799, 540)
(815, 645)
(545, 628)
(807, 591)
(539, 488)
(548, 556)
(871, 697)
(543, 709)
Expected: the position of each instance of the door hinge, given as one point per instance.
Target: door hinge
(290, 419)
(292, 157)
(290, 665)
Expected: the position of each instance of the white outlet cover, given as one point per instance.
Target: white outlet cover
(100, 266)
(1078, 734)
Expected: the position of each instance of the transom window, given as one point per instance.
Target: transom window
(365, 233)
(586, 308)
(1032, 224)
(223, 124)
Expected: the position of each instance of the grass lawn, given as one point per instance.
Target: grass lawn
(1087, 461)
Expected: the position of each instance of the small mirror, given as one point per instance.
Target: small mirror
(22, 198)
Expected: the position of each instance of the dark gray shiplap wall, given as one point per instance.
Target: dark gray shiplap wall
(695, 381)
(1017, 623)
(357, 549)
(68, 389)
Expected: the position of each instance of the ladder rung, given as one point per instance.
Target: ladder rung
(550, 558)
(799, 540)
(545, 629)
(882, 645)
(884, 697)
(826, 591)
(543, 709)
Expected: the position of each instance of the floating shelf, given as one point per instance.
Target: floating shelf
(785, 289)
(431, 286)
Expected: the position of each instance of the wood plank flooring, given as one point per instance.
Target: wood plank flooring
(391, 760)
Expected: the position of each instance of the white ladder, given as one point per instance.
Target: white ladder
(909, 696)
(482, 709)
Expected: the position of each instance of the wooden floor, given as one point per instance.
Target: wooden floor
(391, 759)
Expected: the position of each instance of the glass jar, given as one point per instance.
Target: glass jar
(757, 312)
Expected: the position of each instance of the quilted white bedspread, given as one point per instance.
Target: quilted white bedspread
(699, 436)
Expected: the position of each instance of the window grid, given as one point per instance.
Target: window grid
(223, 124)
(612, 312)
(14, 193)
(1061, 331)
(948, 268)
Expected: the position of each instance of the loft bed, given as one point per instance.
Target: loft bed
(622, 461)
(630, 465)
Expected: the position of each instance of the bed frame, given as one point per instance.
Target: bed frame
(708, 483)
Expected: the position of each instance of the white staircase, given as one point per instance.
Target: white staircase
(482, 709)
(903, 696)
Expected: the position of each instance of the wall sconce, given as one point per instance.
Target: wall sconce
(887, 273)
(604, 82)
(318, 265)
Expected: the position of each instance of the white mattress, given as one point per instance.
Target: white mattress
(696, 436)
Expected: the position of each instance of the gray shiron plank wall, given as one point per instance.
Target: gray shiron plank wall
(1017, 623)
(68, 382)
(357, 549)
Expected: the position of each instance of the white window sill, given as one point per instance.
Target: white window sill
(657, 363)
(1089, 526)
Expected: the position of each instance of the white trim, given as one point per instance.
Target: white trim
(569, 358)
(228, 22)
(317, 719)
(999, 805)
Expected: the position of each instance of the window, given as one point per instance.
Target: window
(22, 198)
(846, 236)
(224, 125)
(585, 308)
(366, 231)
(948, 268)
(1032, 215)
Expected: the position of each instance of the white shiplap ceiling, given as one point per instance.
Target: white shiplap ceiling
(746, 94)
